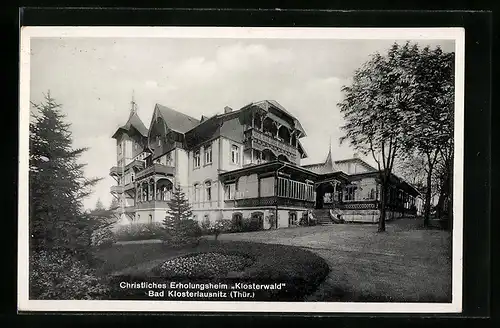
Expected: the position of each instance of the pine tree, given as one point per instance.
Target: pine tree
(57, 183)
(180, 229)
(99, 205)
(60, 231)
(114, 204)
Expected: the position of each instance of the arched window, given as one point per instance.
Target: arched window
(208, 191)
(150, 219)
(196, 193)
(372, 193)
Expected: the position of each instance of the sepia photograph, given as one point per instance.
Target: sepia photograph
(241, 169)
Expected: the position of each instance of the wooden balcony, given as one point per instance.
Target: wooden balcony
(135, 164)
(258, 140)
(116, 171)
(268, 201)
(126, 210)
(150, 204)
(154, 170)
(121, 189)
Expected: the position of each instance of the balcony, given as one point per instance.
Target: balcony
(154, 170)
(135, 164)
(121, 189)
(126, 209)
(259, 140)
(150, 204)
(116, 189)
(116, 170)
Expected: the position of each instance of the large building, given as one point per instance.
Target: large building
(242, 163)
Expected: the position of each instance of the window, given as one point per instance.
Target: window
(208, 191)
(196, 193)
(292, 218)
(168, 159)
(196, 158)
(372, 193)
(235, 154)
(350, 193)
(208, 155)
(230, 191)
(150, 218)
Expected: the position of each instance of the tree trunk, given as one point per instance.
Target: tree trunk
(383, 208)
(428, 194)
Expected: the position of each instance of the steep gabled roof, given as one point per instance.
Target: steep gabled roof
(264, 104)
(177, 121)
(134, 121)
(328, 166)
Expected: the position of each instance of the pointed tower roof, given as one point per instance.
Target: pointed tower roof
(134, 121)
(328, 166)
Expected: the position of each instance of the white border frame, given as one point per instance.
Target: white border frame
(24, 304)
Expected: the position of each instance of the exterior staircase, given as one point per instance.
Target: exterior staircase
(323, 216)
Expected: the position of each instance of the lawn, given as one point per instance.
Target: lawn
(404, 264)
(300, 270)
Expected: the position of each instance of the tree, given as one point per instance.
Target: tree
(60, 231)
(431, 124)
(114, 204)
(99, 205)
(179, 228)
(374, 108)
(57, 183)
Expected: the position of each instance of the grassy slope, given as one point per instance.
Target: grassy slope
(405, 264)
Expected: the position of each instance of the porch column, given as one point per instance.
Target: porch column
(155, 191)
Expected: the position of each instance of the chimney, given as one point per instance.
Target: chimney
(227, 109)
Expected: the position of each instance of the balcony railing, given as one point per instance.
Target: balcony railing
(126, 209)
(267, 141)
(116, 170)
(268, 201)
(121, 189)
(156, 169)
(116, 189)
(135, 164)
(153, 204)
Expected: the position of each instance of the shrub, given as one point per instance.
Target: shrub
(205, 226)
(237, 224)
(220, 226)
(139, 231)
(254, 224)
(271, 219)
(103, 237)
(55, 275)
(186, 232)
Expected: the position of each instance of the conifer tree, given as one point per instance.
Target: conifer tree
(57, 184)
(180, 229)
(60, 231)
(99, 205)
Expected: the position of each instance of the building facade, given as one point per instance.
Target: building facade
(241, 164)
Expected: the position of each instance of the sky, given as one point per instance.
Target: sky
(94, 80)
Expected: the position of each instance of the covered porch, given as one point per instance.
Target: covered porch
(270, 184)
